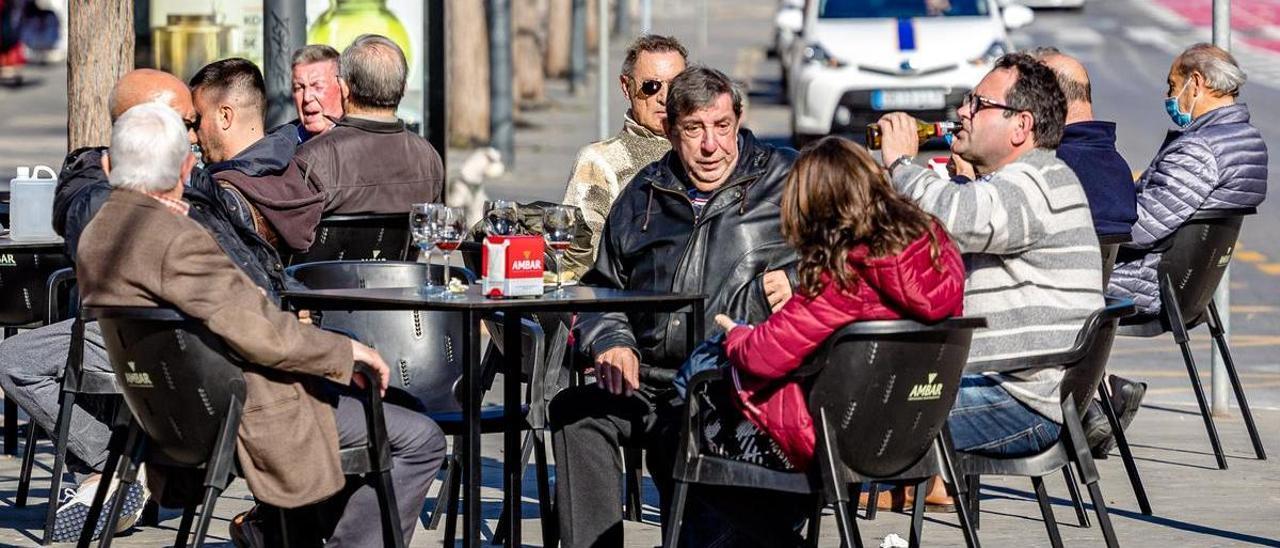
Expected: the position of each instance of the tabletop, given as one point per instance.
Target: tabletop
(7, 244)
(569, 299)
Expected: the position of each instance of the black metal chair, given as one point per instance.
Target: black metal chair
(23, 300)
(1084, 366)
(423, 350)
(366, 237)
(75, 382)
(1193, 262)
(186, 391)
(1109, 245)
(881, 392)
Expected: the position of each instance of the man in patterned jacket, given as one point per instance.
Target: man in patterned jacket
(603, 168)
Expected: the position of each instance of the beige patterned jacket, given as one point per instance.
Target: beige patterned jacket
(599, 174)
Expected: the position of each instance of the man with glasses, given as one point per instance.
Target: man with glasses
(604, 167)
(1034, 268)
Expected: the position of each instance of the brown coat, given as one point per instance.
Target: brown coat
(136, 252)
(368, 166)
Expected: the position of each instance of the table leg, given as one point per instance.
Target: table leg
(511, 461)
(697, 331)
(471, 471)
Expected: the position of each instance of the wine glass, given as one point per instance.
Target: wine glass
(558, 223)
(502, 218)
(449, 228)
(423, 231)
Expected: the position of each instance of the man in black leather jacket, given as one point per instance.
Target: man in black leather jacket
(705, 219)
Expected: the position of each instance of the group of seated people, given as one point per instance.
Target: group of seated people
(787, 247)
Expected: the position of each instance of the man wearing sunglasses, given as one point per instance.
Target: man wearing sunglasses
(604, 167)
(1032, 256)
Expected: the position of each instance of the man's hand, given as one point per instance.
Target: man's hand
(618, 371)
(304, 316)
(777, 289)
(726, 323)
(960, 167)
(898, 137)
(370, 357)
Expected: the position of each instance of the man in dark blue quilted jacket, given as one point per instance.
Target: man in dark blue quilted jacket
(1215, 160)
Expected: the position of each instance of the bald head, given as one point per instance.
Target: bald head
(146, 85)
(1074, 81)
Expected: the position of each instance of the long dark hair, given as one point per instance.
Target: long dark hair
(836, 198)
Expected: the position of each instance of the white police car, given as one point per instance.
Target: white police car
(854, 60)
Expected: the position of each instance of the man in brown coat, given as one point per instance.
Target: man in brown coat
(369, 162)
(141, 249)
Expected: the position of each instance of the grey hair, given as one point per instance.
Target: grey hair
(1220, 70)
(148, 146)
(699, 87)
(314, 53)
(375, 71)
(651, 43)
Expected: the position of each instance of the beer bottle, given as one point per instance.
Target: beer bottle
(924, 130)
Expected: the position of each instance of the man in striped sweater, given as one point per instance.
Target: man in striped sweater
(1034, 269)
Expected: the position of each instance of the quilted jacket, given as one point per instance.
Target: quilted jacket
(1217, 162)
(906, 285)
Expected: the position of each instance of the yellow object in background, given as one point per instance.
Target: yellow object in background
(345, 20)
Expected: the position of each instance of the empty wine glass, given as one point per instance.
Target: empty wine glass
(449, 228)
(423, 231)
(558, 223)
(502, 218)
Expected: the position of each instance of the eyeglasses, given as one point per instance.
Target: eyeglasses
(977, 103)
(649, 88)
(193, 124)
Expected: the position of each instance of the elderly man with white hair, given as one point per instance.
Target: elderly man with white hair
(142, 250)
(1215, 160)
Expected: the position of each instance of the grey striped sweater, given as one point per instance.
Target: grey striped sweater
(1034, 269)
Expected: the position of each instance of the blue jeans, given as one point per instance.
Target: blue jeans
(986, 419)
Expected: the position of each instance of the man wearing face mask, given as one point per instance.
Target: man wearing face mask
(317, 95)
(1215, 160)
(604, 167)
(368, 162)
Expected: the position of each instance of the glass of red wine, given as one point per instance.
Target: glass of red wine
(558, 223)
(449, 227)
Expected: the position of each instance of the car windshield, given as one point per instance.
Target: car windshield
(877, 9)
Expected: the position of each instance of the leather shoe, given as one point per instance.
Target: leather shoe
(1126, 399)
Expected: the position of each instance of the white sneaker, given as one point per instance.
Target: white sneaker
(72, 512)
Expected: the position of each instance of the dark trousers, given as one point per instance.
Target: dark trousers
(589, 426)
(417, 452)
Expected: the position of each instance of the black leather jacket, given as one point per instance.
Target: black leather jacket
(83, 187)
(652, 241)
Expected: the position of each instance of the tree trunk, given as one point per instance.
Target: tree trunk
(529, 46)
(593, 34)
(468, 73)
(99, 51)
(559, 37)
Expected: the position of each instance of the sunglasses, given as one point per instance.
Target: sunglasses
(978, 103)
(649, 88)
(192, 124)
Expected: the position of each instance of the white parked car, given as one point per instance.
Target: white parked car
(854, 60)
(1071, 4)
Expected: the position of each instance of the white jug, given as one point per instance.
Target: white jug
(31, 204)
